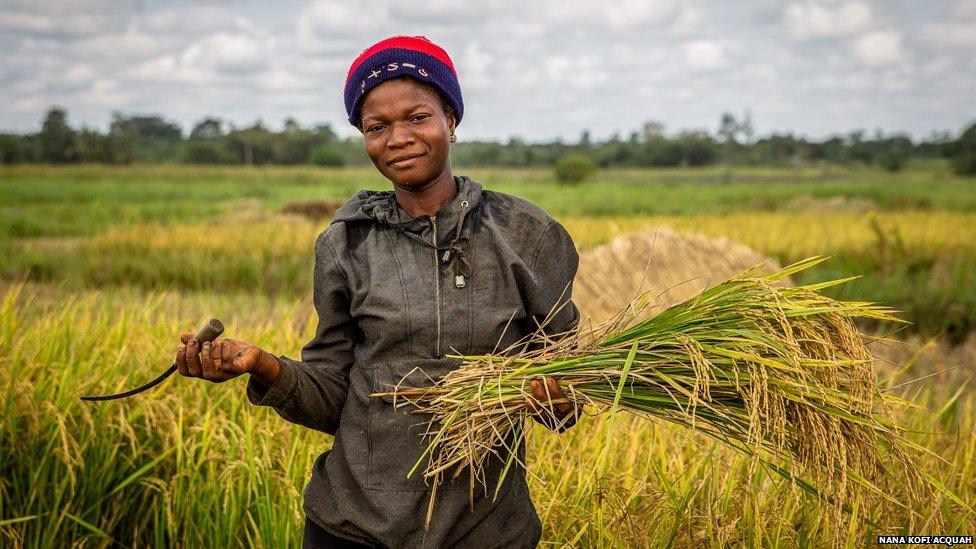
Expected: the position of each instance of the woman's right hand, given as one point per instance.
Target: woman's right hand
(224, 359)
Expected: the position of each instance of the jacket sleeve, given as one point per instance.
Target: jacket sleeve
(311, 392)
(553, 268)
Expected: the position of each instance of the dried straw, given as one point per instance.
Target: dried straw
(675, 266)
(778, 373)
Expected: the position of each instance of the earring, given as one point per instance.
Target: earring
(453, 138)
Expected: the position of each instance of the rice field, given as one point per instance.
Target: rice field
(102, 267)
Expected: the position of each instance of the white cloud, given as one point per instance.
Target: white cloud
(853, 81)
(578, 15)
(230, 53)
(809, 20)
(580, 72)
(964, 8)
(474, 67)
(705, 55)
(191, 20)
(334, 25)
(640, 13)
(65, 19)
(951, 36)
(526, 68)
(79, 74)
(879, 48)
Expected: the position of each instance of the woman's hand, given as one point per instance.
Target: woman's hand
(550, 403)
(225, 359)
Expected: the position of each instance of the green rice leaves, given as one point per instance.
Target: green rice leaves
(780, 374)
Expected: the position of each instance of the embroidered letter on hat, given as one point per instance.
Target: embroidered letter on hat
(425, 60)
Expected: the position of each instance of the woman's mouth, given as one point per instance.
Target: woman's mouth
(406, 162)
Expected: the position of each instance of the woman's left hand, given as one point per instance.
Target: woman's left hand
(550, 402)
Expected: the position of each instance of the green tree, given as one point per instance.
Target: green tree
(14, 149)
(893, 160)
(145, 127)
(208, 128)
(697, 148)
(201, 151)
(56, 137)
(253, 145)
(728, 128)
(91, 146)
(326, 155)
(573, 169)
(962, 152)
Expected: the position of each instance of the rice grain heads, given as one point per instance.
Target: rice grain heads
(778, 373)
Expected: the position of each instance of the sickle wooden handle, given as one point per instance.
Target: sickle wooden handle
(208, 333)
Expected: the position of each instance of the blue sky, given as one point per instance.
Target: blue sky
(535, 70)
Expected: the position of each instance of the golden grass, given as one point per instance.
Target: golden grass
(190, 464)
(795, 234)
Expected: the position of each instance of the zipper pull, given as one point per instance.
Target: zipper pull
(459, 281)
(447, 256)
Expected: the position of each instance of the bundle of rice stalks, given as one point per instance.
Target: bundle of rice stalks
(675, 266)
(778, 373)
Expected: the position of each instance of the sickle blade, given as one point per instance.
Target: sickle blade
(95, 398)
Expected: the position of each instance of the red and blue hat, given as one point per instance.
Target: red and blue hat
(413, 56)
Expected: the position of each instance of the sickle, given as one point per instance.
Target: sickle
(208, 333)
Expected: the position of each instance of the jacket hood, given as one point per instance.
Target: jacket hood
(382, 207)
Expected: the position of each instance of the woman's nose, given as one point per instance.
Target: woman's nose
(400, 136)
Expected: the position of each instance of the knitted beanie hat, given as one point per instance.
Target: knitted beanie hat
(413, 56)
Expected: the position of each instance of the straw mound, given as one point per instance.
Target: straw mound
(678, 266)
(316, 210)
(809, 203)
(240, 210)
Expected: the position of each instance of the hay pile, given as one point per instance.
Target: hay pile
(316, 210)
(674, 265)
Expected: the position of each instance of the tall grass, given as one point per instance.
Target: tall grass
(120, 259)
(191, 464)
(930, 273)
(187, 465)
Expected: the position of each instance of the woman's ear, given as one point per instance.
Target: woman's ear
(451, 122)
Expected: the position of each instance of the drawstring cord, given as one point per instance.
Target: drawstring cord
(456, 252)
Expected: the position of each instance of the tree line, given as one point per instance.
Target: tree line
(153, 139)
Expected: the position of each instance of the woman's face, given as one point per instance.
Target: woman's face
(402, 118)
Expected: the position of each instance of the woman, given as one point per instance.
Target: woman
(436, 266)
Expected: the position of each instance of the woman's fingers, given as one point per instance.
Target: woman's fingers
(181, 361)
(545, 392)
(217, 355)
(217, 361)
(193, 358)
(556, 393)
(207, 362)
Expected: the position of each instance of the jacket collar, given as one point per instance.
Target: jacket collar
(381, 207)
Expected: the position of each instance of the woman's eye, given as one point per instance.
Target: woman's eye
(420, 116)
(376, 127)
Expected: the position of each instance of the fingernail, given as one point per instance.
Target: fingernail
(192, 343)
(535, 384)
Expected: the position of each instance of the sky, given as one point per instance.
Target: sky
(532, 70)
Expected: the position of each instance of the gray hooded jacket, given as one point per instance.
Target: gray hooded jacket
(394, 293)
